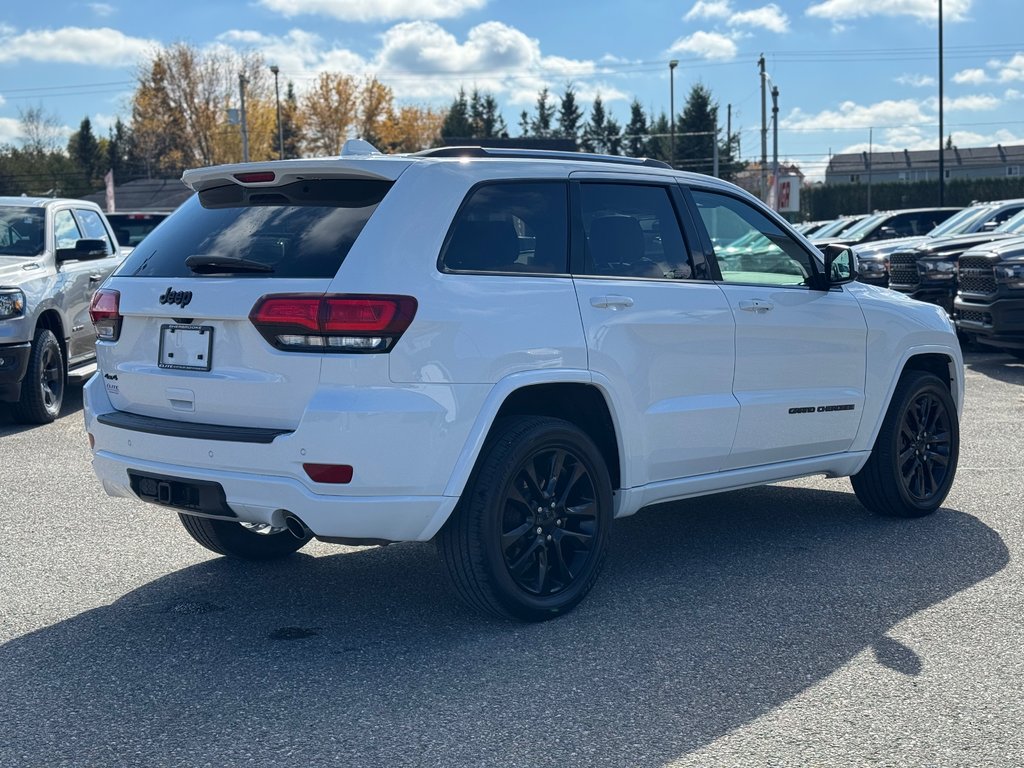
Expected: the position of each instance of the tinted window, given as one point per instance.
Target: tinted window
(21, 231)
(511, 227)
(632, 231)
(749, 246)
(65, 229)
(303, 229)
(131, 228)
(92, 227)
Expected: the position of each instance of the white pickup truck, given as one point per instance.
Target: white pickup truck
(54, 254)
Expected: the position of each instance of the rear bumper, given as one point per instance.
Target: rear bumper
(262, 499)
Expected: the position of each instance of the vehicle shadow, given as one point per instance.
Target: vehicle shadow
(71, 407)
(711, 613)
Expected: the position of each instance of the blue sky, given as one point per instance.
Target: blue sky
(845, 69)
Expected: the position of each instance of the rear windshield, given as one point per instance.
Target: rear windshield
(304, 229)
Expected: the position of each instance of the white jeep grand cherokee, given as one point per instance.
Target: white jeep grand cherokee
(502, 351)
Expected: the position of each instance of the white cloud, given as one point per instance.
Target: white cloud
(99, 47)
(1011, 94)
(976, 103)
(707, 45)
(916, 81)
(970, 76)
(102, 9)
(378, 10)
(1010, 71)
(851, 115)
(922, 10)
(768, 17)
(10, 130)
(709, 9)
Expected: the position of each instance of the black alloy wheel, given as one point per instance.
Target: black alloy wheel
(530, 533)
(549, 521)
(913, 462)
(42, 390)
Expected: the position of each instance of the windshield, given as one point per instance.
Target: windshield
(21, 231)
(865, 226)
(837, 226)
(1013, 224)
(963, 221)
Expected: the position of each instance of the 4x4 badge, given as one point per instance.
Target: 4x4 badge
(172, 296)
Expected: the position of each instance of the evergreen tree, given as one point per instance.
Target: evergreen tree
(291, 128)
(524, 124)
(635, 135)
(541, 125)
(659, 144)
(492, 122)
(119, 149)
(569, 115)
(456, 123)
(595, 131)
(697, 131)
(612, 137)
(83, 149)
(476, 115)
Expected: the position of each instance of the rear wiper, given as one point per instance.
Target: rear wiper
(205, 264)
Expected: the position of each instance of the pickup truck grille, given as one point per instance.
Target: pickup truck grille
(976, 275)
(970, 316)
(903, 270)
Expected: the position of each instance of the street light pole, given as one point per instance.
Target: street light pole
(277, 95)
(672, 109)
(245, 125)
(764, 132)
(942, 146)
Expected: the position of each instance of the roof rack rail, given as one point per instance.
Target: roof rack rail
(538, 154)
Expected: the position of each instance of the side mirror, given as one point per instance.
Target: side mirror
(885, 233)
(84, 250)
(990, 225)
(840, 268)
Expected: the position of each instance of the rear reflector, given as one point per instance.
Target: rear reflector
(256, 177)
(105, 312)
(338, 474)
(333, 323)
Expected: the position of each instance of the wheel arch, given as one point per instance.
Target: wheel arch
(570, 396)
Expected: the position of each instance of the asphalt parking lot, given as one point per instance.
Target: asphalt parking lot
(774, 626)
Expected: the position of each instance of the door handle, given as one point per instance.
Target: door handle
(95, 278)
(611, 302)
(758, 306)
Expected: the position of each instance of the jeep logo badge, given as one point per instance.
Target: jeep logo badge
(172, 296)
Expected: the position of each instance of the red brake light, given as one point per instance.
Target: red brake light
(255, 177)
(339, 323)
(105, 312)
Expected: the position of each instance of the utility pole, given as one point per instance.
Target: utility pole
(277, 96)
(728, 128)
(245, 126)
(672, 110)
(942, 146)
(775, 147)
(714, 148)
(871, 151)
(764, 132)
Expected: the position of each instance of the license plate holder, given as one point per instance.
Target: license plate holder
(186, 347)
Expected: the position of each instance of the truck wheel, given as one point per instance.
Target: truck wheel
(530, 534)
(42, 390)
(237, 540)
(914, 458)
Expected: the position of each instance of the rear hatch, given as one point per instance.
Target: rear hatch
(186, 347)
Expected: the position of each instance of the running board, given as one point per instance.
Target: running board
(81, 374)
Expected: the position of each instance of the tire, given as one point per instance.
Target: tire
(42, 390)
(235, 540)
(530, 534)
(914, 458)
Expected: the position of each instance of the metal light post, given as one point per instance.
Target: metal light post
(942, 146)
(277, 95)
(672, 109)
(242, 81)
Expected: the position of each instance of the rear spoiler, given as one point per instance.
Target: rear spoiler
(279, 172)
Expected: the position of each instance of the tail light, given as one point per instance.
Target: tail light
(105, 311)
(333, 323)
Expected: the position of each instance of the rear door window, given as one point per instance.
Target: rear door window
(299, 230)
